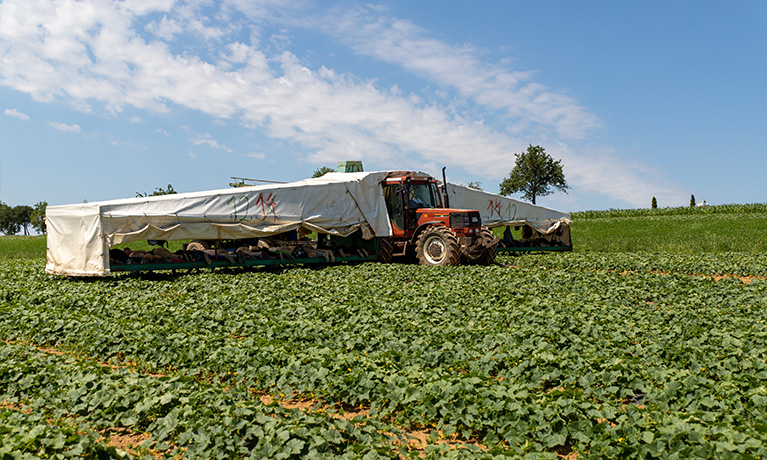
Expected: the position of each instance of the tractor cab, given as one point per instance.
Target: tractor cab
(405, 196)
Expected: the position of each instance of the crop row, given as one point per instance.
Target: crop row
(753, 208)
(735, 264)
(523, 361)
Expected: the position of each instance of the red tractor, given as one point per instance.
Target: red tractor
(428, 228)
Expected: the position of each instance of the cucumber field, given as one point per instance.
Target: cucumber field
(635, 345)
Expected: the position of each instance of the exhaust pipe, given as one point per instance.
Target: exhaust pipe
(444, 188)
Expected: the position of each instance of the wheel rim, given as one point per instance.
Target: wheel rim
(434, 250)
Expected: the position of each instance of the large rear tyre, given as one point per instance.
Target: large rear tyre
(437, 245)
(490, 247)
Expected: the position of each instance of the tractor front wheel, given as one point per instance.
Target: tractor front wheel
(437, 245)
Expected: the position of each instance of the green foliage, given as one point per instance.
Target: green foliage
(566, 355)
(732, 209)
(157, 192)
(654, 204)
(8, 222)
(476, 185)
(733, 263)
(22, 214)
(534, 173)
(31, 436)
(22, 247)
(14, 219)
(714, 233)
(692, 201)
(319, 172)
(37, 217)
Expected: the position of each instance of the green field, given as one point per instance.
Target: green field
(643, 343)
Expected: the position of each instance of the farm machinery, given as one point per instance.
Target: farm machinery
(380, 216)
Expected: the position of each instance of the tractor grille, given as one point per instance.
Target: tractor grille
(465, 219)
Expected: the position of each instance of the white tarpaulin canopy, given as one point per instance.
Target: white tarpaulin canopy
(79, 235)
(498, 210)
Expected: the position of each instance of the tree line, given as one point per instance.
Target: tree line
(14, 219)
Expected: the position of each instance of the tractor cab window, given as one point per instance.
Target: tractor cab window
(423, 195)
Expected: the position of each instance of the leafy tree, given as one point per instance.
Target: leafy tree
(476, 185)
(654, 204)
(692, 201)
(157, 192)
(534, 173)
(8, 223)
(322, 171)
(37, 219)
(22, 215)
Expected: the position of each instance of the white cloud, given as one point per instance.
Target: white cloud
(192, 155)
(258, 156)
(400, 42)
(136, 120)
(65, 127)
(16, 114)
(128, 144)
(163, 132)
(207, 139)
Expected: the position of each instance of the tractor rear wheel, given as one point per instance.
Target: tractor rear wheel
(437, 245)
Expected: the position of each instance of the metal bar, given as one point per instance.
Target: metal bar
(247, 263)
(535, 248)
(258, 180)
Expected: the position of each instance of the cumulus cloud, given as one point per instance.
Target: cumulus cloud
(16, 114)
(65, 127)
(90, 52)
(257, 155)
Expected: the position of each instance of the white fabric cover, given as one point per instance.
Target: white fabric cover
(79, 235)
(499, 210)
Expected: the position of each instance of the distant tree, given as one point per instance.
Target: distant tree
(692, 201)
(476, 185)
(8, 223)
(322, 171)
(654, 204)
(38, 217)
(157, 192)
(22, 215)
(534, 173)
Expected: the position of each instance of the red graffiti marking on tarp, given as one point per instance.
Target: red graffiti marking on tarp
(494, 207)
(269, 202)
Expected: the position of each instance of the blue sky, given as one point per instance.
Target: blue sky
(101, 99)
